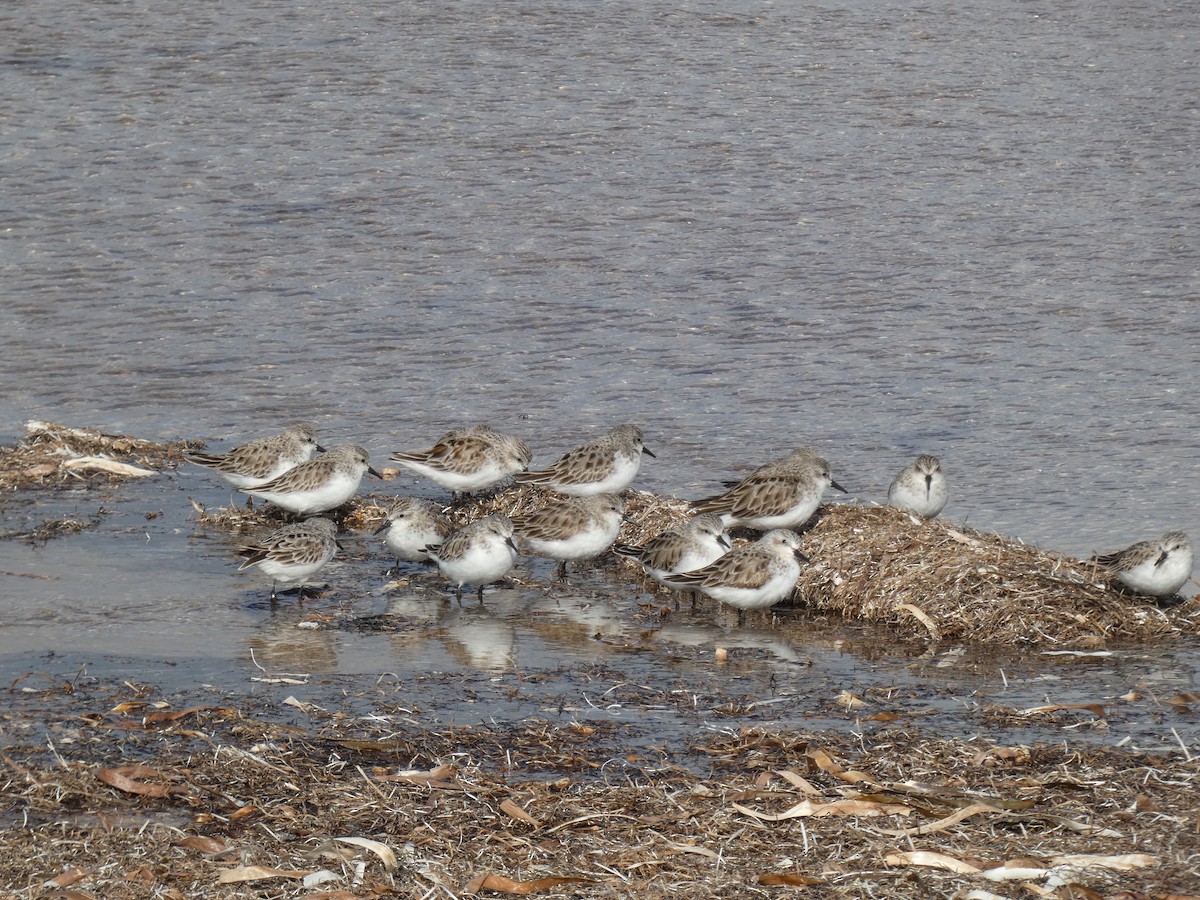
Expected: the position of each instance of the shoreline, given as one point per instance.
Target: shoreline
(931, 580)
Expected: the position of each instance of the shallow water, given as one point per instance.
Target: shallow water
(875, 230)
(157, 601)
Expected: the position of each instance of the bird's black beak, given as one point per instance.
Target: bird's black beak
(1162, 558)
(384, 527)
(373, 472)
(510, 543)
(801, 557)
(834, 484)
(648, 453)
(723, 540)
(320, 449)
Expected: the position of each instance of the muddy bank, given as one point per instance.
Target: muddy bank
(128, 796)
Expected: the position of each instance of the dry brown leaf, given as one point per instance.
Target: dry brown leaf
(512, 809)
(692, 848)
(808, 809)
(257, 873)
(331, 895)
(687, 848)
(68, 878)
(435, 777)
(919, 614)
(1182, 700)
(1094, 708)
(127, 706)
(790, 879)
(931, 860)
(102, 464)
(943, 797)
(848, 701)
(1007, 754)
(203, 844)
(940, 824)
(157, 717)
(66, 895)
(383, 851)
(825, 763)
(798, 781)
(127, 778)
(1122, 863)
(961, 538)
(503, 885)
(1008, 872)
(789, 796)
(1080, 827)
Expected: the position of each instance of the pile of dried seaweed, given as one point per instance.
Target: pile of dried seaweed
(52, 455)
(880, 564)
(142, 800)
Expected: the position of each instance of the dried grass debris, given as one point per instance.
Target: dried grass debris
(52, 455)
(932, 578)
(49, 529)
(337, 805)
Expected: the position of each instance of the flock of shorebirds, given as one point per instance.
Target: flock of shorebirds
(775, 498)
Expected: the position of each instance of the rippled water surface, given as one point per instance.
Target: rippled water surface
(967, 229)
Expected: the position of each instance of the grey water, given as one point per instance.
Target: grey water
(876, 229)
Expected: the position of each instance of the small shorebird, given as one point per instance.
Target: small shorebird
(412, 525)
(465, 460)
(699, 541)
(753, 576)
(293, 554)
(604, 466)
(572, 528)
(257, 462)
(478, 554)
(318, 485)
(921, 488)
(1154, 568)
(784, 493)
